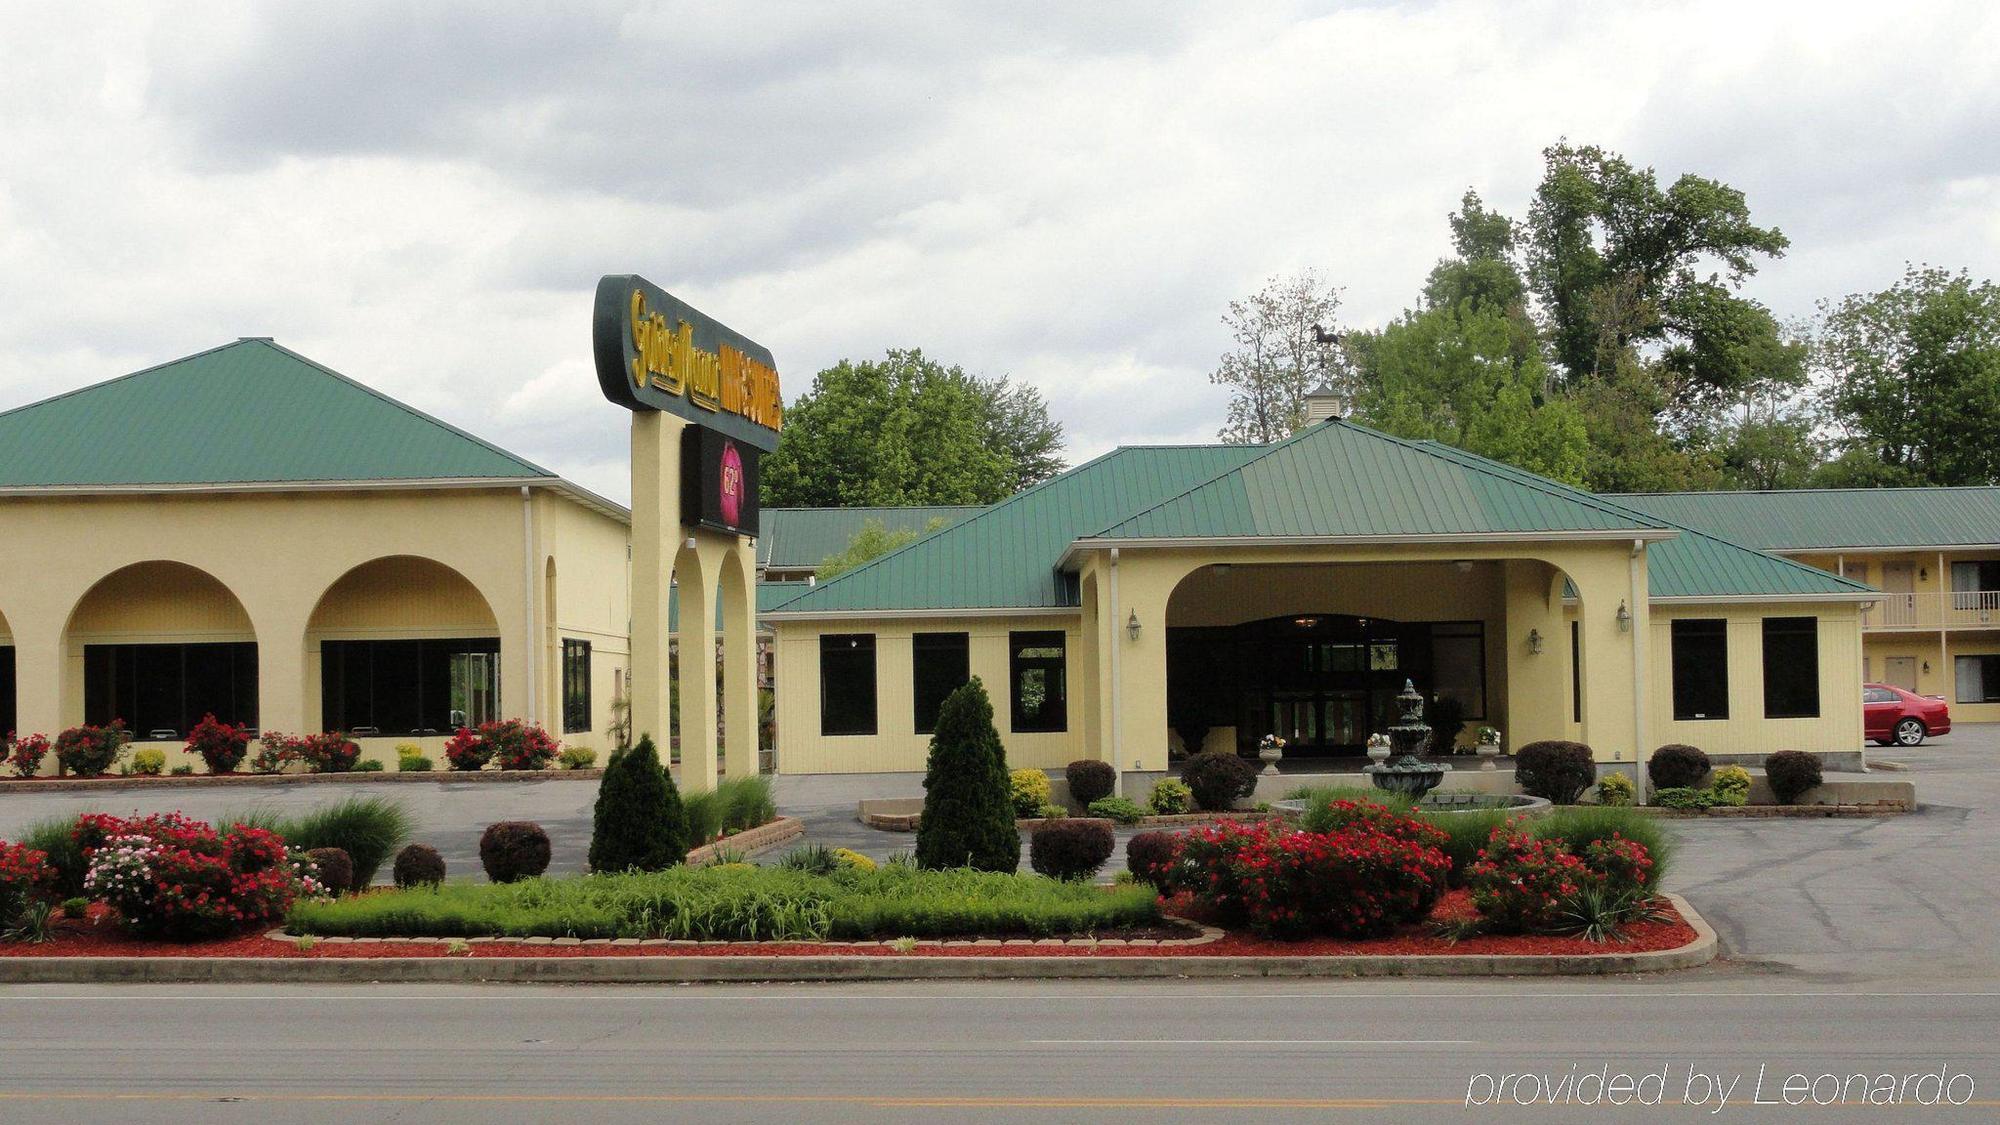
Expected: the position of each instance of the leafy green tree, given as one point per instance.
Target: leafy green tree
(907, 429)
(968, 818)
(1628, 451)
(1283, 350)
(1913, 373)
(1616, 262)
(1774, 448)
(638, 822)
(873, 541)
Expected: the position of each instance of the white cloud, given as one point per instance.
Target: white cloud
(1065, 193)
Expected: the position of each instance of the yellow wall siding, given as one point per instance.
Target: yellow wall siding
(896, 745)
(1746, 730)
(593, 602)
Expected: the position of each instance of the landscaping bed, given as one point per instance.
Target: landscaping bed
(200, 780)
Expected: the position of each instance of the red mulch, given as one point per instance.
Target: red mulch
(100, 936)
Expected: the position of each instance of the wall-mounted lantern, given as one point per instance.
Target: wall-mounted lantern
(1624, 618)
(1534, 642)
(1132, 625)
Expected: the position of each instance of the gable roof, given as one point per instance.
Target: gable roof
(250, 412)
(1338, 480)
(803, 538)
(1004, 556)
(1836, 518)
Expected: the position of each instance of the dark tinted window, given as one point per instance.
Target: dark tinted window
(940, 663)
(1791, 667)
(1037, 678)
(576, 685)
(847, 683)
(409, 687)
(169, 687)
(1701, 668)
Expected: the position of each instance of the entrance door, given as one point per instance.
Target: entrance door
(1900, 671)
(1900, 607)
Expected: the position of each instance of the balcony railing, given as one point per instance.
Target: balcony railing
(1956, 609)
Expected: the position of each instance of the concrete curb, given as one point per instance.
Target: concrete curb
(352, 777)
(649, 970)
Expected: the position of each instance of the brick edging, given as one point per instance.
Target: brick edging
(1755, 812)
(752, 840)
(208, 780)
(609, 970)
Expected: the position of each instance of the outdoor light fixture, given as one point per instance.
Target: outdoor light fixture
(1923, 574)
(1132, 625)
(690, 544)
(1224, 568)
(1624, 618)
(1464, 566)
(1927, 667)
(1534, 642)
(1305, 622)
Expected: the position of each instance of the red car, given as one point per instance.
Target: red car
(1892, 716)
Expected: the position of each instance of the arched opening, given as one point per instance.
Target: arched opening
(9, 706)
(159, 645)
(738, 697)
(404, 645)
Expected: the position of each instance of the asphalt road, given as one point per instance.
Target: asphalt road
(990, 1052)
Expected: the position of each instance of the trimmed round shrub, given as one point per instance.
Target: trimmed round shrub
(419, 865)
(1731, 786)
(1031, 791)
(1170, 797)
(1615, 789)
(336, 868)
(1218, 779)
(1677, 766)
(968, 818)
(1089, 781)
(149, 762)
(1555, 771)
(221, 745)
(1791, 773)
(512, 850)
(88, 751)
(638, 822)
(329, 752)
(1150, 857)
(1070, 849)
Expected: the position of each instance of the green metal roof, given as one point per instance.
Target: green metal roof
(1005, 555)
(803, 538)
(1338, 479)
(1835, 518)
(1696, 564)
(247, 412)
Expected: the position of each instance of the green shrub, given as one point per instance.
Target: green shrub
(1030, 789)
(1218, 779)
(741, 903)
(576, 758)
(1616, 789)
(1465, 833)
(968, 818)
(149, 762)
(75, 907)
(1071, 849)
(56, 838)
(1791, 773)
(512, 850)
(414, 763)
(369, 765)
(1731, 786)
(1683, 797)
(1584, 825)
(1555, 771)
(368, 829)
(408, 750)
(1052, 812)
(182, 770)
(733, 805)
(814, 859)
(418, 865)
(1089, 780)
(1150, 857)
(1677, 766)
(1170, 797)
(638, 822)
(1118, 809)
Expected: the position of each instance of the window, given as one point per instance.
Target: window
(1701, 668)
(1791, 667)
(1884, 695)
(575, 685)
(847, 683)
(7, 712)
(168, 688)
(1973, 585)
(1458, 664)
(1978, 679)
(409, 687)
(1036, 679)
(1576, 671)
(940, 663)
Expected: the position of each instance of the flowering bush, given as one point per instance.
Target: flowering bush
(275, 751)
(221, 745)
(328, 752)
(515, 745)
(1361, 880)
(89, 751)
(1522, 884)
(179, 879)
(25, 875)
(25, 754)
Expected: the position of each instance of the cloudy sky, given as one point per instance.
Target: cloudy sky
(424, 197)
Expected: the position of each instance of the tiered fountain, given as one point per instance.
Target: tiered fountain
(1405, 772)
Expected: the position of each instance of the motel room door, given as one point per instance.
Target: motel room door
(1900, 671)
(1899, 582)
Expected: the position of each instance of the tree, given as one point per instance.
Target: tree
(1278, 358)
(906, 430)
(1615, 261)
(1913, 375)
(638, 822)
(968, 818)
(873, 541)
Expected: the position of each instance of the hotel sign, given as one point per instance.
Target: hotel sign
(656, 352)
(719, 477)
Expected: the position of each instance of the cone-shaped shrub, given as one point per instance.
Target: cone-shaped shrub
(968, 816)
(639, 823)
